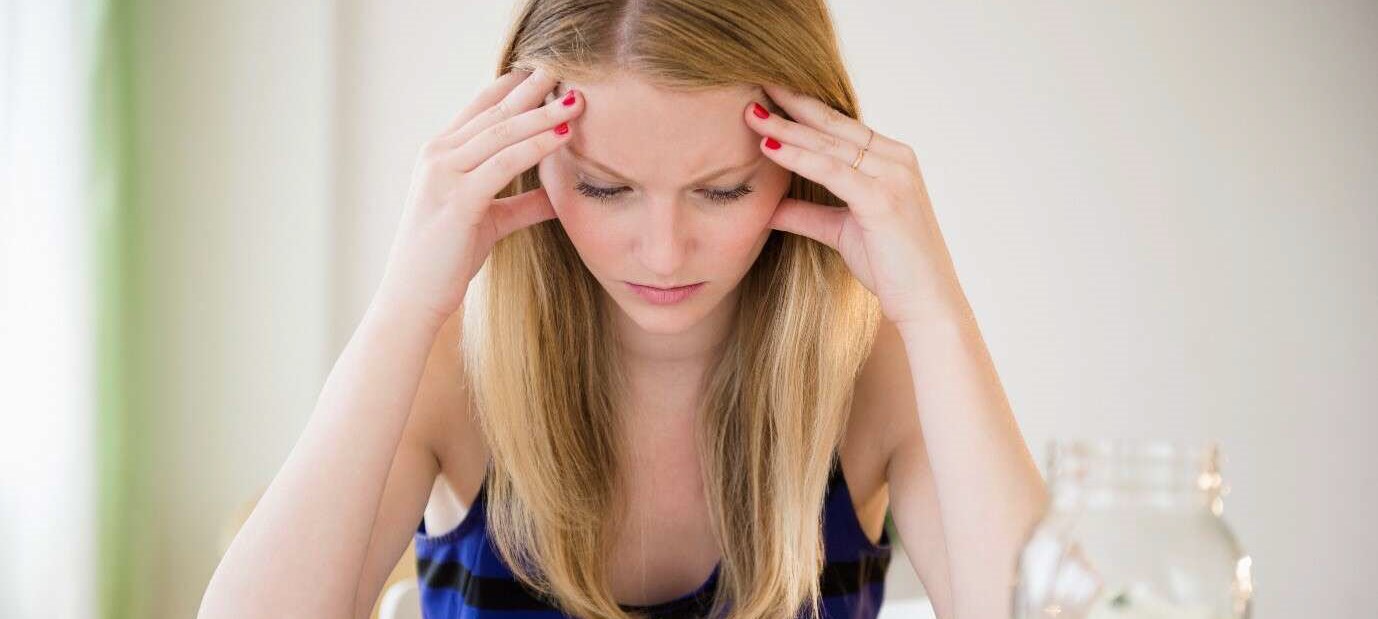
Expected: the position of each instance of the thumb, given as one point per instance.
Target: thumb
(513, 213)
(817, 221)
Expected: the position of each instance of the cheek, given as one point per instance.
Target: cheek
(741, 234)
(561, 193)
(586, 226)
(591, 235)
(746, 231)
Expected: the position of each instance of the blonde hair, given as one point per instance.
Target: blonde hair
(543, 365)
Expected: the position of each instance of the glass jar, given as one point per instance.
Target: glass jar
(1133, 531)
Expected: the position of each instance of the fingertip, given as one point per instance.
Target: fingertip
(571, 98)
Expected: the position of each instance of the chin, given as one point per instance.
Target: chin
(662, 320)
(666, 325)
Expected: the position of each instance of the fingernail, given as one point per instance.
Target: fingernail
(569, 99)
(772, 144)
(562, 129)
(759, 111)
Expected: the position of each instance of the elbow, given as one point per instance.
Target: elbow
(224, 600)
(266, 590)
(219, 604)
(214, 604)
(227, 599)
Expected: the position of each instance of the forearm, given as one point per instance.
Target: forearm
(989, 488)
(301, 550)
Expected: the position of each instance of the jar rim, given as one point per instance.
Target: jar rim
(1147, 468)
(1132, 447)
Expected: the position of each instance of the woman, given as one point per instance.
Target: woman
(716, 337)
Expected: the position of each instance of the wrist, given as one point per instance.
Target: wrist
(955, 316)
(398, 311)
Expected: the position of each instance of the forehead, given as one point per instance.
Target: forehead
(659, 136)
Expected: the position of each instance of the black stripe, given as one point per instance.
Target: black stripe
(497, 593)
(487, 592)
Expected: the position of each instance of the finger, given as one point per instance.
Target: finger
(516, 212)
(485, 99)
(561, 89)
(525, 96)
(470, 154)
(823, 117)
(872, 164)
(855, 188)
(817, 221)
(497, 171)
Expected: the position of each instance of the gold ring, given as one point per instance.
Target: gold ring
(862, 153)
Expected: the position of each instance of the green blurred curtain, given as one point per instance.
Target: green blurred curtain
(122, 454)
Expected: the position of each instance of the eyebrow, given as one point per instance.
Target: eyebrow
(618, 176)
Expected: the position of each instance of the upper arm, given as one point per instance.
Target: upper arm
(440, 404)
(887, 389)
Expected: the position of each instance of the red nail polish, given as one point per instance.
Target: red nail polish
(569, 99)
(562, 129)
(772, 144)
(759, 111)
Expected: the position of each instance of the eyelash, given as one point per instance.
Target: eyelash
(608, 193)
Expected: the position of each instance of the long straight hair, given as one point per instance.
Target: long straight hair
(544, 368)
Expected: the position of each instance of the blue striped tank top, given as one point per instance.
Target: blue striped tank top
(461, 575)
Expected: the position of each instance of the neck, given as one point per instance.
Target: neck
(664, 371)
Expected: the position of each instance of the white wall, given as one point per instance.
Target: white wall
(1162, 213)
(235, 110)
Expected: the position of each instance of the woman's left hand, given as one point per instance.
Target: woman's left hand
(887, 233)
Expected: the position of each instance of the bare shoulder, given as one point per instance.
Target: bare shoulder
(446, 421)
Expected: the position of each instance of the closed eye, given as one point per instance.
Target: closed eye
(718, 195)
(715, 195)
(594, 191)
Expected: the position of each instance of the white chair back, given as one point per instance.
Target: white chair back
(401, 601)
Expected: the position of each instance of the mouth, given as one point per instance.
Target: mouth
(664, 295)
(664, 287)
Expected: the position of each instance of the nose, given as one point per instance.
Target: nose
(664, 240)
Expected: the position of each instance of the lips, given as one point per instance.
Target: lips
(662, 287)
(664, 296)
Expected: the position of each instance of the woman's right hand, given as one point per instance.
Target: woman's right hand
(451, 220)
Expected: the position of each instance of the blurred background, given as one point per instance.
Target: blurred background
(1163, 214)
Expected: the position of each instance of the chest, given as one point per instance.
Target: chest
(664, 546)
